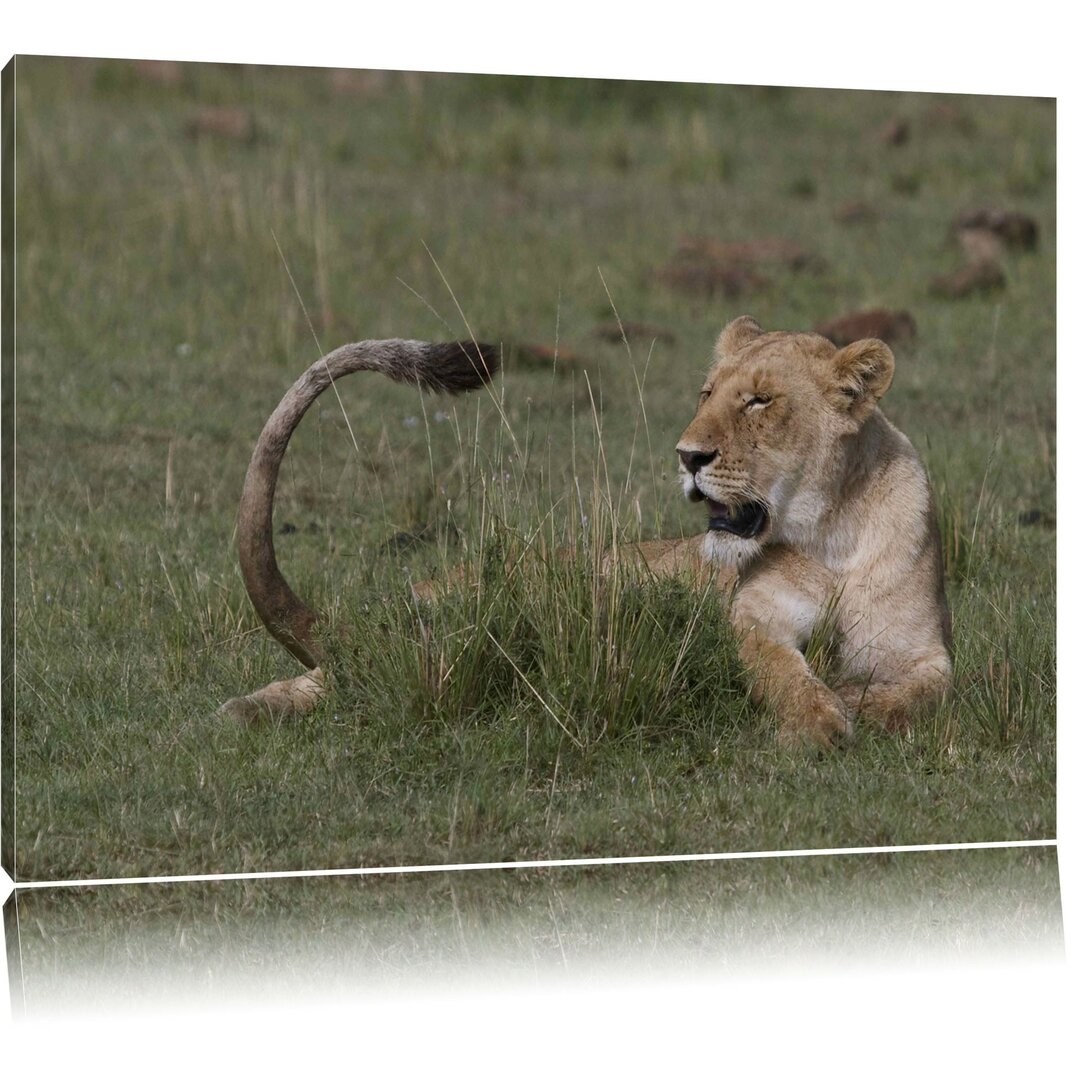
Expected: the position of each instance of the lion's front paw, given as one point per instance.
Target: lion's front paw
(818, 718)
(887, 705)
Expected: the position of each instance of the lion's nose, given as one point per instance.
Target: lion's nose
(696, 459)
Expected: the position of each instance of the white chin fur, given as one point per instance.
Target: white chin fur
(728, 550)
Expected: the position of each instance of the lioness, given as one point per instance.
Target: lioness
(818, 509)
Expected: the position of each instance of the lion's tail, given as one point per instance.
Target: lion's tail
(452, 367)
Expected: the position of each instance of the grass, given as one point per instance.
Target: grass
(159, 320)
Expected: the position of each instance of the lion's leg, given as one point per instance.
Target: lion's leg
(774, 614)
(661, 558)
(897, 702)
(674, 558)
(286, 698)
(809, 712)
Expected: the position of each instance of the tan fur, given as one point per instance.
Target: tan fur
(851, 531)
(788, 422)
(450, 368)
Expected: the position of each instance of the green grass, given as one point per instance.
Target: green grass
(158, 326)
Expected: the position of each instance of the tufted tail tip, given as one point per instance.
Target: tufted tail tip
(453, 367)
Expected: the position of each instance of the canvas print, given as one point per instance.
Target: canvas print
(414, 468)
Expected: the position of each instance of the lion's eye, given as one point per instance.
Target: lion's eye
(704, 396)
(757, 401)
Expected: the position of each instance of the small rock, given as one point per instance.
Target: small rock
(1036, 517)
(287, 529)
(884, 324)
(162, 72)
(980, 245)
(895, 133)
(1013, 229)
(709, 267)
(765, 251)
(985, 276)
(224, 122)
(635, 331)
(708, 277)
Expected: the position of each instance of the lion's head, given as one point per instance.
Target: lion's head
(770, 444)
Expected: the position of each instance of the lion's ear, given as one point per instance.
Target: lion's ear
(735, 335)
(863, 371)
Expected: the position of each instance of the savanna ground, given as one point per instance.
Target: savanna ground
(160, 275)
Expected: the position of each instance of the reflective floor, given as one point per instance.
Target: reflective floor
(133, 947)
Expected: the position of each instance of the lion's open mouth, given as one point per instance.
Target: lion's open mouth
(748, 520)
